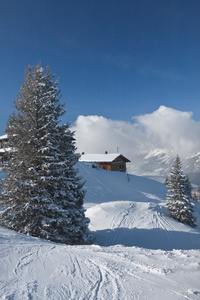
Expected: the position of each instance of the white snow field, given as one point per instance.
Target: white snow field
(139, 252)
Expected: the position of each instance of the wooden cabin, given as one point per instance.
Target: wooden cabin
(109, 162)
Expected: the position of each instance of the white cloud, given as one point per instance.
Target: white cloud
(165, 128)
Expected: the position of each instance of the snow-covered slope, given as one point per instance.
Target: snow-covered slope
(139, 251)
(104, 186)
(130, 210)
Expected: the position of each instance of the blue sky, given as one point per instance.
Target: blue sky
(115, 59)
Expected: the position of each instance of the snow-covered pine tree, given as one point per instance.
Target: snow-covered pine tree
(179, 196)
(188, 187)
(42, 193)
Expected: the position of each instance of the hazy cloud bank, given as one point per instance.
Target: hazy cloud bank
(165, 128)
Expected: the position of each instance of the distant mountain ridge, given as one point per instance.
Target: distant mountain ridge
(158, 162)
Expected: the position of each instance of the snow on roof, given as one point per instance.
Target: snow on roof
(3, 150)
(100, 157)
(3, 137)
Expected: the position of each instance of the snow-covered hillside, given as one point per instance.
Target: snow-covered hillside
(139, 251)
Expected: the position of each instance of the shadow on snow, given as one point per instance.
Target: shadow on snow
(148, 238)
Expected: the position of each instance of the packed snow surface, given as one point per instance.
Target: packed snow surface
(139, 252)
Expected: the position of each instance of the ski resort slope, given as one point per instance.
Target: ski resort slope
(139, 252)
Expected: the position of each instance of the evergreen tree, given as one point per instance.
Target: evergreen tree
(42, 193)
(188, 187)
(179, 195)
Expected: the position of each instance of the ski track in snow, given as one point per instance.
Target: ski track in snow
(44, 270)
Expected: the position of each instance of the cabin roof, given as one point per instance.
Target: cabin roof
(110, 157)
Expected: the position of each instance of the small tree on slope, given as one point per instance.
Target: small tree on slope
(179, 195)
(42, 194)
